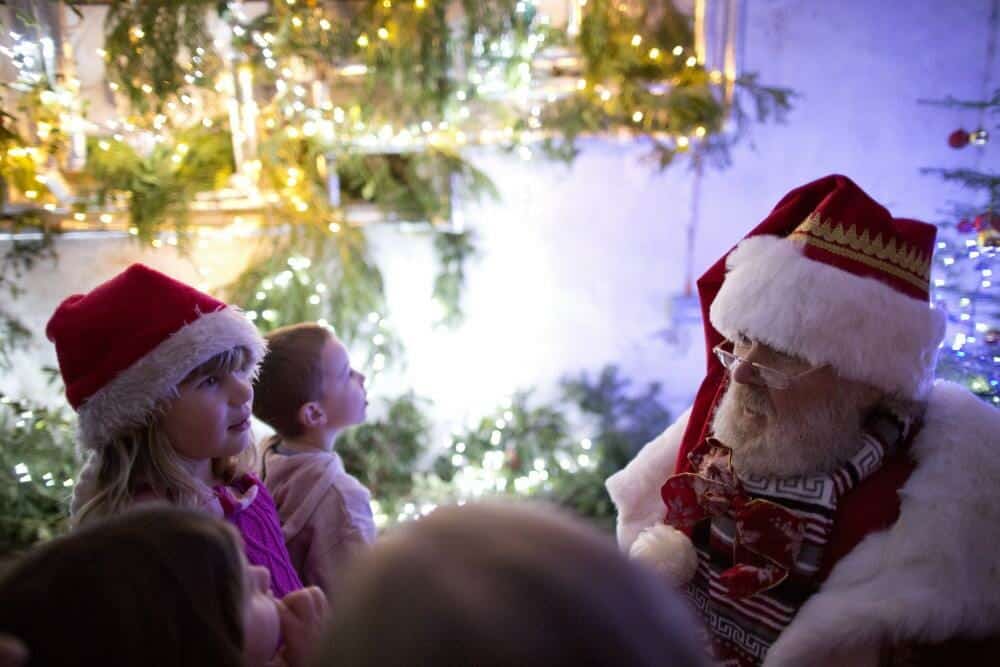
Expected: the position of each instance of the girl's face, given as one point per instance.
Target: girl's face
(261, 623)
(210, 418)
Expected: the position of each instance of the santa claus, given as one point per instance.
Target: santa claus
(824, 501)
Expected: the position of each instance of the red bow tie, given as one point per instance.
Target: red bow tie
(768, 537)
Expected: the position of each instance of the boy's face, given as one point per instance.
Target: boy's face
(344, 398)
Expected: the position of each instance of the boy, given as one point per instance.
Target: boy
(308, 393)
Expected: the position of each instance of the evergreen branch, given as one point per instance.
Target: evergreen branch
(969, 178)
(955, 103)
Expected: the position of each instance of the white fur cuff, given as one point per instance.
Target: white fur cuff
(668, 552)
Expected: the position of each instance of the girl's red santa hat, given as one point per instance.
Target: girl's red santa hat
(126, 345)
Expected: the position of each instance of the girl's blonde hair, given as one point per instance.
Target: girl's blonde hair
(144, 461)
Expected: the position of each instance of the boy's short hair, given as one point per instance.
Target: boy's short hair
(290, 376)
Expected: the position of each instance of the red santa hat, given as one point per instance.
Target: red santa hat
(128, 343)
(831, 277)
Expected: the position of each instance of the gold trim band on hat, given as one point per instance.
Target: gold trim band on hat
(902, 261)
(864, 259)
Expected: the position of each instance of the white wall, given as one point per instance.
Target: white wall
(579, 263)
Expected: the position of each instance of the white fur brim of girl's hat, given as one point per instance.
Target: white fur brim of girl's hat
(126, 345)
(848, 287)
(129, 399)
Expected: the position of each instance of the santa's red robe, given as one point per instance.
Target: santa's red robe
(929, 574)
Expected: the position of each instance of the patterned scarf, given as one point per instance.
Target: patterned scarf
(761, 547)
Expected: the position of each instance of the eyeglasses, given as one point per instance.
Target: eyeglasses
(767, 376)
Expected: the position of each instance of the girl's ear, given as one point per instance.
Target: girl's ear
(311, 414)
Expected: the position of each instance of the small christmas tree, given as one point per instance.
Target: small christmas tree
(964, 280)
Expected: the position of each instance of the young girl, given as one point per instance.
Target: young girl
(159, 586)
(161, 376)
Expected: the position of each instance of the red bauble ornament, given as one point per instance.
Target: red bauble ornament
(958, 139)
(965, 226)
(988, 220)
(513, 459)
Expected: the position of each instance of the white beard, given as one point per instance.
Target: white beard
(814, 440)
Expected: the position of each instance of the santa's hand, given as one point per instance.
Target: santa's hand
(302, 613)
(668, 552)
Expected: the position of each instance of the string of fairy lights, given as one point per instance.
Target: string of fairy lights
(301, 104)
(495, 455)
(966, 288)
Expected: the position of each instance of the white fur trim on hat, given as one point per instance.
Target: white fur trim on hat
(668, 551)
(865, 329)
(127, 401)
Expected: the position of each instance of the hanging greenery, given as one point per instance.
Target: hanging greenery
(385, 454)
(453, 250)
(19, 257)
(158, 188)
(157, 48)
(561, 451)
(382, 95)
(37, 467)
(313, 274)
(343, 79)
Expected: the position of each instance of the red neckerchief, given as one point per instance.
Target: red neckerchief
(768, 536)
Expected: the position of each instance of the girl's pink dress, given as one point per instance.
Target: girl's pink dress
(247, 505)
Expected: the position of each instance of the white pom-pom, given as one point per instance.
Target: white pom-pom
(667, 551)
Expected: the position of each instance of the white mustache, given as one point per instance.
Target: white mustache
(752, 399)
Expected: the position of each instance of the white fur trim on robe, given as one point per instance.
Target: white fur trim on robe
(935, 574)
(635, 489)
